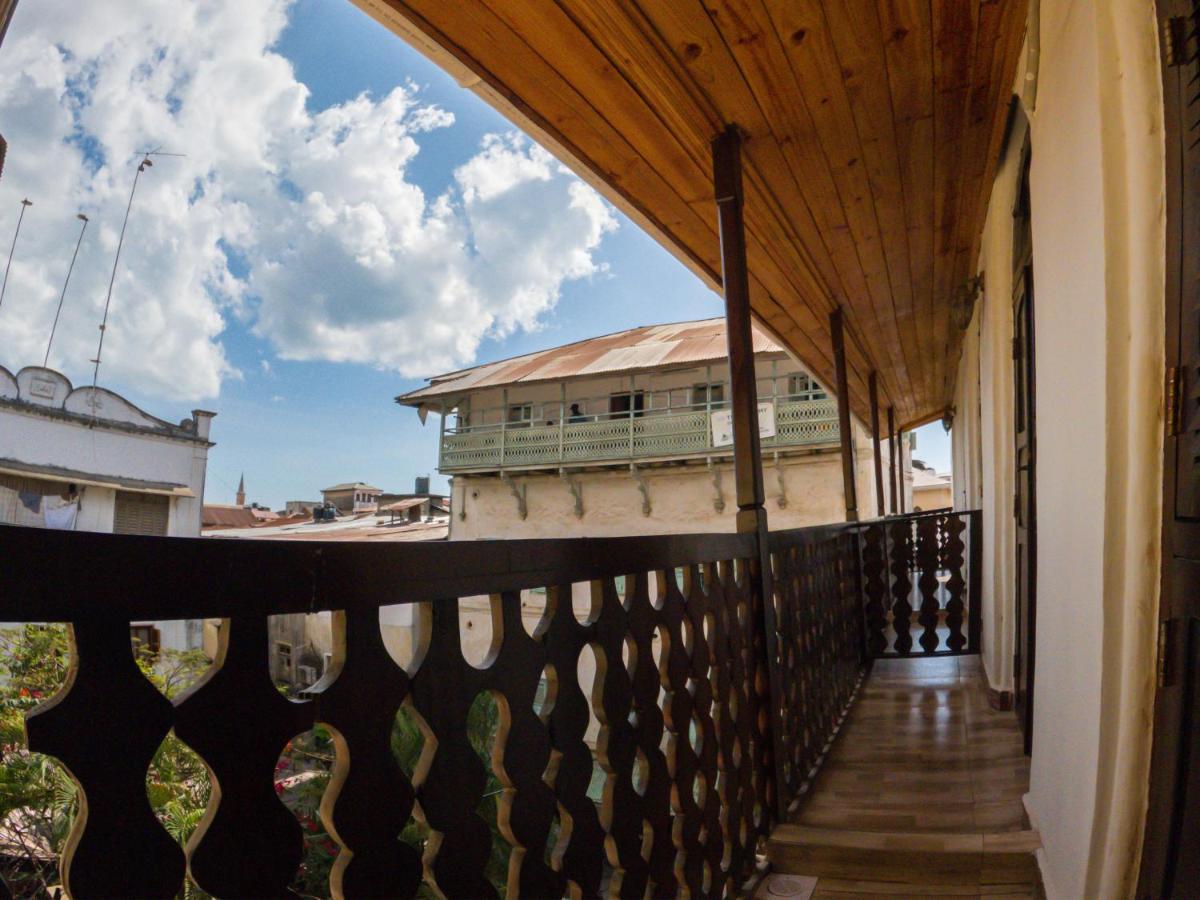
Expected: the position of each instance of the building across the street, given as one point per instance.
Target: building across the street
(631, 434)
(86, 459)
(930, 489)
(354, 496)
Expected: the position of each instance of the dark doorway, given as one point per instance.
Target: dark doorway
(1025, 502)
(1171, 853)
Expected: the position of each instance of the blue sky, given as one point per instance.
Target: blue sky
(300, 342)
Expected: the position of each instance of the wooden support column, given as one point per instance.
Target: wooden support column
(873, 387)
(892, 456)
(843, 400)
(743, 397)
(900, 469)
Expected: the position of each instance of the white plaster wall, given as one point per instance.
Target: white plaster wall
(38, 440)
(97, 507)
(1097, 186)
(681, 500)
(983, 429)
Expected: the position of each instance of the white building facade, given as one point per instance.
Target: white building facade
(86, 459)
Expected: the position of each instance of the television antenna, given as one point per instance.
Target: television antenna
(84, 219)
(146, 163)
(25, 204)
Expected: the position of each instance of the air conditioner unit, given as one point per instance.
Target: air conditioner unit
(306, 675)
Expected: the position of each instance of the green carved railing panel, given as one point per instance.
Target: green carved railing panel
(648, 436)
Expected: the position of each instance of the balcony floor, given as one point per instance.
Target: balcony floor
(921, 793)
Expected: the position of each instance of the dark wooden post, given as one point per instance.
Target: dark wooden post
(900, 469)
(892, 455)
(843, 399)
(743, 390)
(873, 387)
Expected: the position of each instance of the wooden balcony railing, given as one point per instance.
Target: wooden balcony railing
(634, 436)
(695, 758)
(921, 583)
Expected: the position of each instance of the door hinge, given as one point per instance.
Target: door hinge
(1173, 396)
(1017, 507)
(1163, 664)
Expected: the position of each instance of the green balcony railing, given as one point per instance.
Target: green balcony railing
(641, 435)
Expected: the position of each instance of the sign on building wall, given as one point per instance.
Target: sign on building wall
(722, 424)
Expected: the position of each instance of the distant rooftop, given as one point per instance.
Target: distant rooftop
(637, 349)
(351, 486)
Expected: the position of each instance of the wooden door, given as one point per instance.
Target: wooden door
(1025, 456)
(1171, 853)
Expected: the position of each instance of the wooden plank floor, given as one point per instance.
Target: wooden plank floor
(922, 750)
(920, 795)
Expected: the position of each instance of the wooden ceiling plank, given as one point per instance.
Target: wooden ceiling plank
(954, 36)
(1002, 28)
(860, 54)
(697, 46)
(978, 127)
(555, 105)
(678, 147)
(599, 29)
(789, 44)
(906, 26)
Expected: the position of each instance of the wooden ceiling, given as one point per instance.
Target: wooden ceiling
(872, 133)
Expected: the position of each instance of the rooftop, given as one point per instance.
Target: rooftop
(351, 486)
(648, 347)
(40, 391)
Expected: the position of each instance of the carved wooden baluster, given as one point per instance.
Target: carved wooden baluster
(927, 559)
(764, 763)
(875, 587)
(901, 585)
(954, 560)
(369, 799)
(617, 750)
(443, 689)
(582, 862)
(677, 709)
(691, 832)
(648, 726)
(116, 847)
(248, 844)
(704, 605)
(527, 808)
(736, 729)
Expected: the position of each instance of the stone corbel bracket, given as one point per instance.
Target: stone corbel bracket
(718, 497)
(782, 500)
(642, 486)
(576, 489)
(517, 492)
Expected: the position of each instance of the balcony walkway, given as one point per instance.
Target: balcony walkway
(920, 795)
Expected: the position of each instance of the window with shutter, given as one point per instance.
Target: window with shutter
(141, 514)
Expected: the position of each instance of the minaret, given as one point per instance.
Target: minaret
(241, 494)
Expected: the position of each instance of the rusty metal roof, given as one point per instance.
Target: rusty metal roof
(638, 349)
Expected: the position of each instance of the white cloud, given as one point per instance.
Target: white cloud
(301, 225)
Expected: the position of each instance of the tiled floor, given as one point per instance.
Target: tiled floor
(921, 793)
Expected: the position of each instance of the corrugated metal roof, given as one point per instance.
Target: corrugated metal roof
(647, 347)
